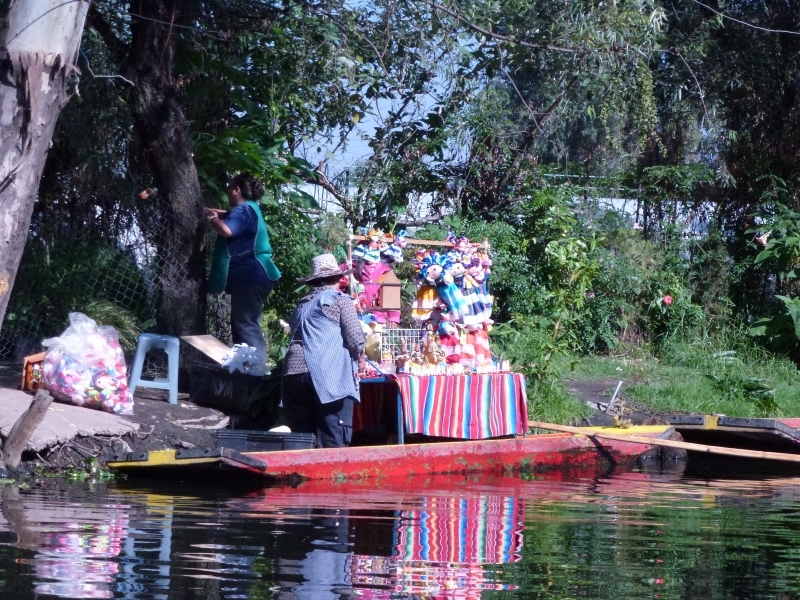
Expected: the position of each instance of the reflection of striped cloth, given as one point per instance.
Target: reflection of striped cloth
(462, 530)
(441, 549)
(464, 406)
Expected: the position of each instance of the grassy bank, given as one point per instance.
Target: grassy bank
(726, 374)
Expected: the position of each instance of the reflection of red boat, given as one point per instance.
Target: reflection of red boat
(444, 542)
(442, 536)
(385, 465)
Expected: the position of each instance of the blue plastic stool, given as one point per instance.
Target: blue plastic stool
(153, 341)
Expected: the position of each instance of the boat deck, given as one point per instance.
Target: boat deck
(396, 463)
(774, 435)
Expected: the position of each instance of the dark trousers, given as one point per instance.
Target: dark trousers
(247, 304)
(332, 423)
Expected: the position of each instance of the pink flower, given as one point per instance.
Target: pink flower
(762, 239)
(667, 299)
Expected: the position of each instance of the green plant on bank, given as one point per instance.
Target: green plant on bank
(781, 231)
(91, 471)
(723, 371)
(534, 347)
(111, 314)
(93, 278)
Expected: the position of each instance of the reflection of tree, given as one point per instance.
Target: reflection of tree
(623, 538)
(72, 543)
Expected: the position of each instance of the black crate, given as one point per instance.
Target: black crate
(214, 387)
(245, 440)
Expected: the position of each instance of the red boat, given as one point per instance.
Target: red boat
(394, 464)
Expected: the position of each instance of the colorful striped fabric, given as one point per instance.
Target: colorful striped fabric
(470, 407)
(462, 530)
(444, 549)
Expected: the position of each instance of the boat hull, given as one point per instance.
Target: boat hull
(386, 465)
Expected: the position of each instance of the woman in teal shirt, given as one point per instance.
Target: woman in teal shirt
(242, 265)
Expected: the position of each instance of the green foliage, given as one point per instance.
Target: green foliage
(533, 347)
(92, 278)
(782, 252)
(126, 324)
(757, 390)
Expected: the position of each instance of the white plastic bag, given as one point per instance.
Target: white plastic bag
(85, 366)
(245, 359)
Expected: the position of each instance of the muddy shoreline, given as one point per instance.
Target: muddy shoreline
(75, 440)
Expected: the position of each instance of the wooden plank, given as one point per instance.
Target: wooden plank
(416, 242)
(736, 452)
(208, 345)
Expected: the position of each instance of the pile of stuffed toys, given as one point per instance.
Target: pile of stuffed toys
(453, 306)
(454, 303)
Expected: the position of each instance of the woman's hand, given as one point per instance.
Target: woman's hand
(362, 364)
(212, 216)
(211, 213)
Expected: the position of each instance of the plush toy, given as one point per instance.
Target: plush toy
(372, 260)
(478, 275)
(474, 313)
(432, 266)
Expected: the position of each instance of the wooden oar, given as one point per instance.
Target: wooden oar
(738, 452)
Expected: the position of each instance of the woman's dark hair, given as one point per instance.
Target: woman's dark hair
(326, 281)
(252, 188)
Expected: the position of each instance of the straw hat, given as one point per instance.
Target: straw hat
(322, 267)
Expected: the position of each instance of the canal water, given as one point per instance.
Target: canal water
(630, 535)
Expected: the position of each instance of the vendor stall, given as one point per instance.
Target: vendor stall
(441, 373)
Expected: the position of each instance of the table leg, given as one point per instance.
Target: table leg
(400, 427)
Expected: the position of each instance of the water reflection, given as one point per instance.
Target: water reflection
(441, 548)
(626, 536)
(74, 545)
(381, 543)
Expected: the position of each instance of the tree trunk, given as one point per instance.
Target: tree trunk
(164, 132)
(39, 41)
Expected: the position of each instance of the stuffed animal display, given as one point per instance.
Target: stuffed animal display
(453, 298)
(372, 261)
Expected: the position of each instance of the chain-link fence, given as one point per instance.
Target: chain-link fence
(107, 263)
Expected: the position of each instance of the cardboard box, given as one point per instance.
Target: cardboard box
(32, 373)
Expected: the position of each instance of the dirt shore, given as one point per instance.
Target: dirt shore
(71, 436)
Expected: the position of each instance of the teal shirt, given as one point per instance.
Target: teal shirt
(246, 257)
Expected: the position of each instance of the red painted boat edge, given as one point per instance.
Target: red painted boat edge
(393, 464)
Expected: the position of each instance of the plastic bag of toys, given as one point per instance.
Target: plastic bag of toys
(85, 366)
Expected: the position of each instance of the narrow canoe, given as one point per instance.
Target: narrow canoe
(390, 464)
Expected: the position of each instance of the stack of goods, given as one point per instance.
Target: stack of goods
(372, 262)
(453, 300)
(452, 308)
(429, 357)
(85, 366)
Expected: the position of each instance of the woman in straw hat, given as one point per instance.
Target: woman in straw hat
(320, 383)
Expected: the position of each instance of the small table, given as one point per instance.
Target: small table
(475, 406)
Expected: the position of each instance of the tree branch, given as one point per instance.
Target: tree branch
(434, 218)
(533, 132)
(491, 34)
(117, 47)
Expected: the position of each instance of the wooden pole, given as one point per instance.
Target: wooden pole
(24, 427)
(737, 452)
(416, 242)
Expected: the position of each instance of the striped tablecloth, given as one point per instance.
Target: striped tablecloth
(464, 406)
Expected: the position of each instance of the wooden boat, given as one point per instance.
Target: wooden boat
(390, 464)
(777, 435)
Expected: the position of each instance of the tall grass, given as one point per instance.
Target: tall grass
(549, 401)
(723, 372)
